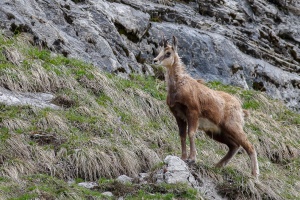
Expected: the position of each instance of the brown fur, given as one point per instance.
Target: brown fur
(195, 106)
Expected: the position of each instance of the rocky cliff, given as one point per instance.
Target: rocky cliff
(247, 43)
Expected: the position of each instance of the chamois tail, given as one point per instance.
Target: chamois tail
(201, 81)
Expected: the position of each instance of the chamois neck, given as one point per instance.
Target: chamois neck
(177, 70)
(175, 75)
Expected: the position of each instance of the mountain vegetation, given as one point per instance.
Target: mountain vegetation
(106, 126)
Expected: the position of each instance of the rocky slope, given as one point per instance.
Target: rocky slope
(248, 43)
(64, 122)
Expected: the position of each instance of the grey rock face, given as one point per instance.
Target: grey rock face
(131, 20)
(85, 31)
(252, 44)
(245, 43)
(41, 100)
(213, 57)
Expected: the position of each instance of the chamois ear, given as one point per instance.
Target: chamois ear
(175, 43)
(163, 42)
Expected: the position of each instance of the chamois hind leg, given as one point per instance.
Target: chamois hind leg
(192, 120)
(240, 137)
(233, 147)
(253, 156)
(182, 132)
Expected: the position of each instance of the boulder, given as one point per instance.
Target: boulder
(109, 194)
(124, 179)
(176, 171)
(143, 178)
(88, 185)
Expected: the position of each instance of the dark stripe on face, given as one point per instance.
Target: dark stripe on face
(166, 55)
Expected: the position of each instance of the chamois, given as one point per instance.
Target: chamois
(194, 106)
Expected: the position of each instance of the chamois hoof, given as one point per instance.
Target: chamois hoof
(219, 165)
(185, 160)
(255, 175)
(190, 162)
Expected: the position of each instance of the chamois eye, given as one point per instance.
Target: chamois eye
(168, 54)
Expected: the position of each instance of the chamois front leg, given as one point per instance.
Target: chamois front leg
(192, 120)
(171, 100)
(182, 132)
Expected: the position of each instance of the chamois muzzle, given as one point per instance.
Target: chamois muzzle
(155, 61)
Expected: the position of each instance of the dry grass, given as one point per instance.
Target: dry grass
(54, 122)
(122, 121)
(276, 136)
(17, 159)
(13, 56)
(35, 78)
(15, 124)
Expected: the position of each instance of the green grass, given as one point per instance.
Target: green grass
(216, 85)
(25, 197)
(155, 19)
(148, 191)
(247, 96)
(4, 134)
(141, 194)
(146, 83)
(256, 130)
(52, 188)
(288, 117)
(104, 100)
(144, 195)
(249, 101)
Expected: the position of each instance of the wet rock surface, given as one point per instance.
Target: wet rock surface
(252, 44)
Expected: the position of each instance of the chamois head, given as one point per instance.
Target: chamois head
(167, 54)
